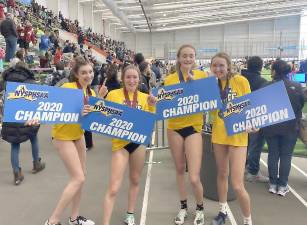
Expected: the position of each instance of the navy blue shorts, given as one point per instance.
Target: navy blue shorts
(186, 131)
(131, 147)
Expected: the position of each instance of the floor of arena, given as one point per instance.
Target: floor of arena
(33, 201)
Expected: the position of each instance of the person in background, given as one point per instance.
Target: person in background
(39, 32)
(138, 58)
(59, 74)
(2, 55)
(155, 67)
(45, 60)
(281, 138)
(145, 77)
(17, 133)
(303, 66)
(67, 47)
(26, 37)
(255, 140)
(293, 67)
(58, 55)
(96, 81)
(111, 80)
(8, 30)
(44, 43)
(2, 16)
(11, 5)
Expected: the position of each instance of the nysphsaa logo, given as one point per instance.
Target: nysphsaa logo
(22, 92)
(105, 110)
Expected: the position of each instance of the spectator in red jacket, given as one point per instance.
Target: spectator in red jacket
(11, 4)
(58, 56)
(26, 37)
(2, 16)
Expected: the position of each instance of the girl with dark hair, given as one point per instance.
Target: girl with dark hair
(68, 140)
(110, 80)
(281, 138)
(185, 139)
(229, 151)
(123, 152)
(145, 77)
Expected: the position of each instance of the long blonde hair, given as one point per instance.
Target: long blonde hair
(179, 52)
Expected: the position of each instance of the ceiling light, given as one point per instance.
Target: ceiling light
(164, 25)
(164, 14)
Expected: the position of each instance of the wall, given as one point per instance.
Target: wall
(303, 37)
(81, 15)
(42, 2)
(261, 37)
(63, 7)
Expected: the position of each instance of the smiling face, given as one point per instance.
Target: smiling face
(186, 58)
(219, 67)
(85, 75)
(131, 80)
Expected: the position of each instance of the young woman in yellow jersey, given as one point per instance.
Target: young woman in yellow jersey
(123, 152)
(230, 151)
(185, 139)
(68, 140)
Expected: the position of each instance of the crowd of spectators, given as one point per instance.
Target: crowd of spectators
(113, 48)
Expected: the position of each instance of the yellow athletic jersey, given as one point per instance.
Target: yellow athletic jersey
(195, 120)
(118, 96)
(69, 132)
(239, 86)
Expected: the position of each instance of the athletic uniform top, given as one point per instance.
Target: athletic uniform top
(118, 96)
(238, 86)
(69, 132)
(194, 120)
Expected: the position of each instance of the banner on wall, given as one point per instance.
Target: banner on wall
(187, 98)
(24, 102)
(264, 107)
(119, 121)
(26, 2)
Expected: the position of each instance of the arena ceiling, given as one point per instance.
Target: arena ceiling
(163, 15)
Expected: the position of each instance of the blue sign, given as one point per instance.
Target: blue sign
(24, 102)
(264, 107)
(119, 121)
(187, 98)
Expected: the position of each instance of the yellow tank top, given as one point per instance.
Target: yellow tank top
(238, 86)
(118, 96)
(68, 132)
(194, 120)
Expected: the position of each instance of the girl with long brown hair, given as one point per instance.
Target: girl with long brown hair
(68, 140)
